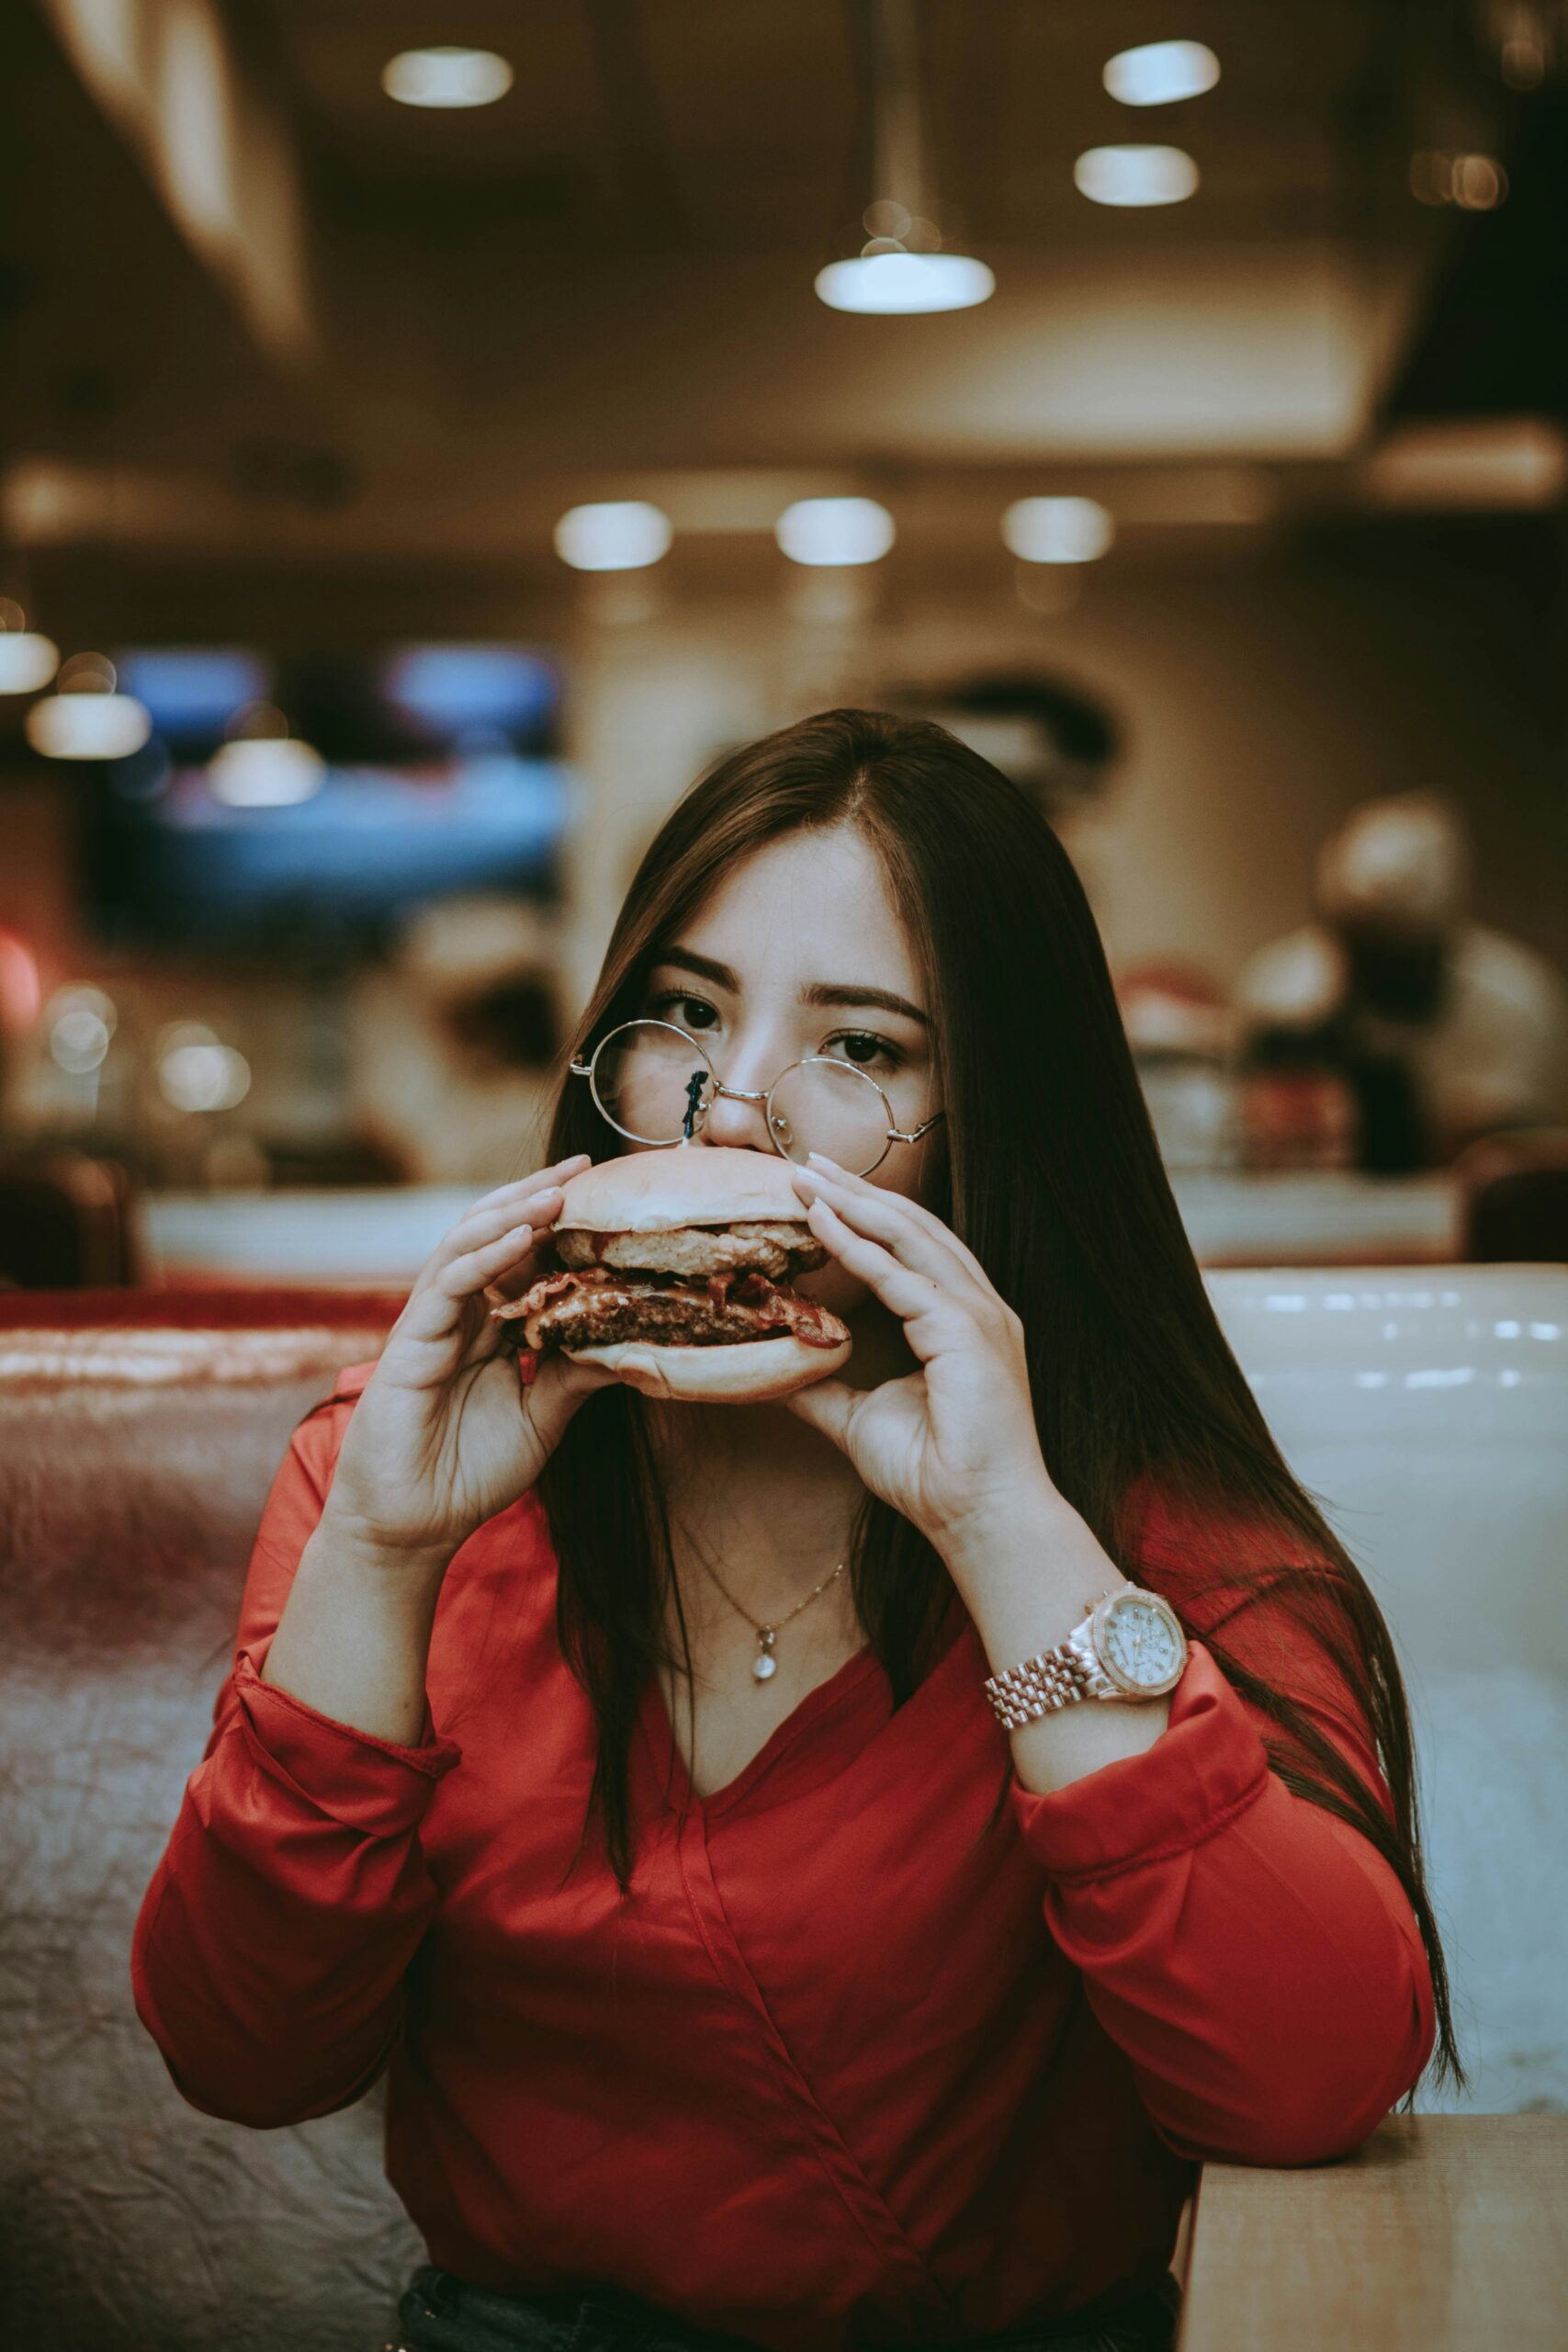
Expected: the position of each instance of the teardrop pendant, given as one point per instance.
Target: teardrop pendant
(765, 1663)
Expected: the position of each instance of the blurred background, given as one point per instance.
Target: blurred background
(417, 462)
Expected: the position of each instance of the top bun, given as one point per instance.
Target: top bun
(679, 1184)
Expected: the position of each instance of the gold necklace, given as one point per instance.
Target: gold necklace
(765, 1663)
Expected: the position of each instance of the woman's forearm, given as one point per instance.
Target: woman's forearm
(354, 1638)
(1039, 1571)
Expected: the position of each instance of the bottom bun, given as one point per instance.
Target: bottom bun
(746, 1372)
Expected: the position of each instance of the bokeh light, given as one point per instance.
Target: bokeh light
(446, 76)
(1160, 72)
(28, 660)
(79, 1022)
(615, 535)
(835, 530)
(889, 284)
(1057, 530)
(1135, 176)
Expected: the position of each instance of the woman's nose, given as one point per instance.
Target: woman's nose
(741, 1125)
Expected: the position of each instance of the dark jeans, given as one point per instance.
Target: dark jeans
(439, 2312)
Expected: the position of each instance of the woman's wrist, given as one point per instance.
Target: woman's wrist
(359, 1544)
(1030, 1568)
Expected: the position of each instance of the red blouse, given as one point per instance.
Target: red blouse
(850, 2067)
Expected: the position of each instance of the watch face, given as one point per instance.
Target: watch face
(1141, 1644)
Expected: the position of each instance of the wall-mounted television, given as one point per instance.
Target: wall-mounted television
(438, 771)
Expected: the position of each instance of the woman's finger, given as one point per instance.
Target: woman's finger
(886, 1216)
(486, 1262)
(434, 1311)
(927, 1219)
(483, 1225)
(917, 1299)
(826, 1406)
(496, 1210)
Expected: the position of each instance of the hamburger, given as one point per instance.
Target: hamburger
(673, 1269)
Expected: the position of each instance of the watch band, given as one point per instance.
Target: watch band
(1070, 1671)
(1046, 1683)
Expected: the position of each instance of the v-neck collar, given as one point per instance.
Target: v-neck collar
(841, 1691)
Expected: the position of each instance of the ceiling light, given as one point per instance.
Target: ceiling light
(85, 719)
(262, 773)
(888, 284)
(27, 662)
(616, 535)
(446, 77)
(26, 659)
(1057, 530)
(834, 530)
(1161, 71)
(1126, 176)
(261, 766)
(903, 270)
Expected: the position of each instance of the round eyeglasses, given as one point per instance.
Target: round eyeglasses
(656, 1085)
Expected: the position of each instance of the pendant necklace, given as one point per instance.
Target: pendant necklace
(765, 1663)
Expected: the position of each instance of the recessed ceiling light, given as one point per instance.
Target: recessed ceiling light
(446, 77)
(85, 719)
(1057, 530)
(892, 284)
(1161, 71)
(28, 660)
(614, 535)
(1135, 176)
(834, 530)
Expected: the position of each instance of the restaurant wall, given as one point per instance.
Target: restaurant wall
(1257, 700)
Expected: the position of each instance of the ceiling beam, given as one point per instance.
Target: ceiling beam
(219, 155)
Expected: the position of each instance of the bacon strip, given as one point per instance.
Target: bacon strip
(768, 1307)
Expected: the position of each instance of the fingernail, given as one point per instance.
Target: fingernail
(824, 1158)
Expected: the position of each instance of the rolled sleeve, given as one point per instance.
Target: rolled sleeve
(1207, 1767)
(379, 1786)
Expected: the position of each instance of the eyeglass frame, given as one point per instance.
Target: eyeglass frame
(741, 1095)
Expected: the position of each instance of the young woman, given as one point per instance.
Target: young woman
(888, 1999)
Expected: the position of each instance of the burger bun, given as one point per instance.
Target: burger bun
(658, 1191)
(748, 1372)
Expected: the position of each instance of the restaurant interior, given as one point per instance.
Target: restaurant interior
(417, 463)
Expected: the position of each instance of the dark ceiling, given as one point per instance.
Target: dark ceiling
(610, 270)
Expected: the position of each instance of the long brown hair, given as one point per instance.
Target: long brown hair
(1053, 1177)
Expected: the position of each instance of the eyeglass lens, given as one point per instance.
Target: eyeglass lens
(657, 1087)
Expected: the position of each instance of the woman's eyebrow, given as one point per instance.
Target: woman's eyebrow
(826, 992)
(686, 959)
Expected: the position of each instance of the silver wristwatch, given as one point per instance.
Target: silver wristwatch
(1131, 1645)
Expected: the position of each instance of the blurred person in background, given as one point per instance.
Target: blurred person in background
(1440, 1028)
(453, 1036)
(862, 1987)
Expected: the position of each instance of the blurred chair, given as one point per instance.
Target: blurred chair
(1513, 1191)
(139, 1432)
(64, 1223)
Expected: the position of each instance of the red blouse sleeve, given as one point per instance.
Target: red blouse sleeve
(269, 1956)
(1255, 1957)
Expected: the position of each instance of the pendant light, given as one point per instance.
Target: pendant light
(902, 268)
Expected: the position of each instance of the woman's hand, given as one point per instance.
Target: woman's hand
(952, 1446)
(446, 1433)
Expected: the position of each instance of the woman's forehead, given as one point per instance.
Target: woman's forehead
(803, 903)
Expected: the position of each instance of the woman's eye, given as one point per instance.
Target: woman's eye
(685, 1011)
(866, 1050)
